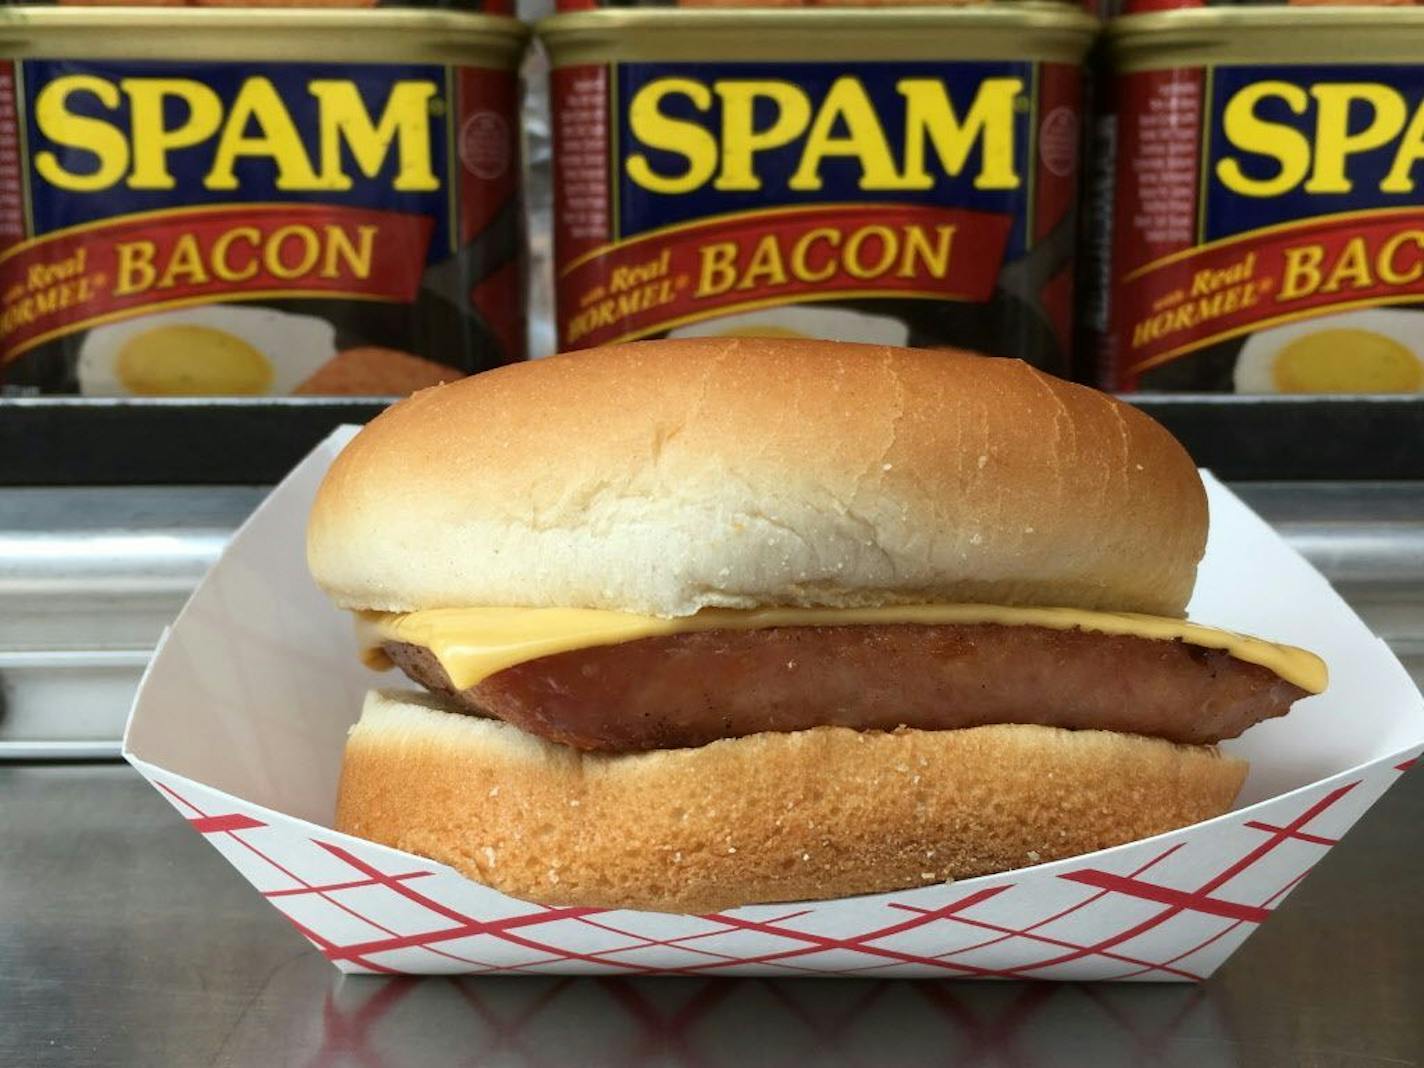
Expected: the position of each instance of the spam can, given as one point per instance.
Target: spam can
(1267, 212)
(905, 177)
(239, 202)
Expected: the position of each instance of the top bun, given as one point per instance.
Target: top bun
(663, 477)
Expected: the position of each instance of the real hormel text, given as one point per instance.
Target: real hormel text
(144, 187)
(1301, 199)
(730, 263)
(1308, 267)
(738, 187)
(74, 278)
(774, 261)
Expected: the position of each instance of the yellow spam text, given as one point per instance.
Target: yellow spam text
(1339, 125)
(725, 146)
(150, 119)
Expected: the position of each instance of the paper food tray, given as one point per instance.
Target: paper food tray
(241, 718)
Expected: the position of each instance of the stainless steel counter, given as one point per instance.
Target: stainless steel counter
(126, 940)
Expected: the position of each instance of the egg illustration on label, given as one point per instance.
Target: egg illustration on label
(802, 320)
(1373, 350)
(212, 350)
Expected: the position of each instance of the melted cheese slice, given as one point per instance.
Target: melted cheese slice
(475, 643)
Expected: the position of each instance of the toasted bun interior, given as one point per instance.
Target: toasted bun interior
(814, 814)
(664, 477)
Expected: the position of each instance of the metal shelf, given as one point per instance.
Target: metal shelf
(89, 576)
(83, 441)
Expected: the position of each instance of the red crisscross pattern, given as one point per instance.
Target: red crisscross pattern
(1171, 908)
(646, 1022)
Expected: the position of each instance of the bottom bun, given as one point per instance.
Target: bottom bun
(813, 814)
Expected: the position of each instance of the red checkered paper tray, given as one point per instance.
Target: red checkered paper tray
(241, 719)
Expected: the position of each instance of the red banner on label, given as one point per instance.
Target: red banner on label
(1176, 305)
(57, 284)
(664, 279)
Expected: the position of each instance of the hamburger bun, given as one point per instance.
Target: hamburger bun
(664, 477)
(819, 813)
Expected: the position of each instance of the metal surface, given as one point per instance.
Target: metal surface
(126, 940)
(1051, 32)
(89, 578)
(408, 35)
(1268, 33)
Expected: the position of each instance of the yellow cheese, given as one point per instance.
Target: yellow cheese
(475, 643)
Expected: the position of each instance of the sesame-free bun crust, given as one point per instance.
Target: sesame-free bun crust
(667, 476)
(813, 814)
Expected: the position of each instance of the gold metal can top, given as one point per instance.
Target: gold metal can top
(1204, 36)
(383, 35)
(1052, 32)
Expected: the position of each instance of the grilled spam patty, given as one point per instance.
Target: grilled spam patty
(691, 689)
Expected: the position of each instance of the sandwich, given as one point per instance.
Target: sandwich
(712, 622)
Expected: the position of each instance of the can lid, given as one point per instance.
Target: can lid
(1027, 30)
(1203, 36)
(384, 35)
